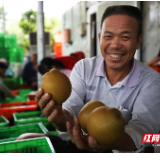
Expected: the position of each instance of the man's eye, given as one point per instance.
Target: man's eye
(125, 38)
(107, 37)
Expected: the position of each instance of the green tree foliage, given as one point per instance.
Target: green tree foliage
(28, 24)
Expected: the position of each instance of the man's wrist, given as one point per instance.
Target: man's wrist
(125, 144)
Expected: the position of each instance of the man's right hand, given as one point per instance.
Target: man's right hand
(54, 113)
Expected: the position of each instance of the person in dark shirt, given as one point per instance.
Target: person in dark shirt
(29, 73)
(3, 88)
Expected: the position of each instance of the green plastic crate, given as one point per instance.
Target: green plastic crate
(54, 133)
(24, 92)
(1, 40)
(7, 140)
(32, 117)
(18, 98)
(16, 55)
(10, 40)
(34, 145)
(11, 133)
(3, 122)
(12, 83)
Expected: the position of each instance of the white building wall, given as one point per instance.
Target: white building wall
(72, 20)
(151, 30)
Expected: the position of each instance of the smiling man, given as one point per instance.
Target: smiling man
(114, 78)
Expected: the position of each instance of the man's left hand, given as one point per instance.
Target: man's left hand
(83, 142)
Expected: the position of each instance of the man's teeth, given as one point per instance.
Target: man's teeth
(115, 56)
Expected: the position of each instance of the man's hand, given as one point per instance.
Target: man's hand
(54, 113)
(125, 144)
(83, 142)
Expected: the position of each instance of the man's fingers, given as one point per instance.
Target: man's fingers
(79, 141)
(39, 94)
(76, 122)
(48, 109)
(69, 130)
(95, 146)
(44, 100)
(56, 115)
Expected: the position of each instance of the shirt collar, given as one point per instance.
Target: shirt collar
(101, 69)
(131, 79)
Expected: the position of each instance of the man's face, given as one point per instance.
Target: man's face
(118, 41)
(2, 72)
(34, 58)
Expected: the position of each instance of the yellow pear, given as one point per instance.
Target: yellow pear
(85, 111)
(57, 84)
(106, 125)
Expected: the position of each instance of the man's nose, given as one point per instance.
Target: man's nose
(115, 43)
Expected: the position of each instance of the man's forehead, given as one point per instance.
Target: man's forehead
(119, 22)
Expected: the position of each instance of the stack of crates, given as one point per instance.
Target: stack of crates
(9, 49)
(32, 117)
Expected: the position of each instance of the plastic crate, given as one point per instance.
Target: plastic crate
(7, 140)
(1, 40)
(18, 98)
(11, 133)
(54, 133)
(32, 95)
(10, 40)
(24, 86)
(32, 117)
(34, 145)
(12, 83)
(24, 92)
(16, 55)
(3, 121)
(15, 92)
(8, 109)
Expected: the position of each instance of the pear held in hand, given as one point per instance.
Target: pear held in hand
(106, 125)
(57, 84)
(85, 111)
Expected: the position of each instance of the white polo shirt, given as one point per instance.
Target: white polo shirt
(137, 96)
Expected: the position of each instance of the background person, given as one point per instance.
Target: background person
(8, 72)
(29, 72)
(153, 61)
(79, 55)
(3, 88)
(48, 63)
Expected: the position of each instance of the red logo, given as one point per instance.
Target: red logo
(151, 138)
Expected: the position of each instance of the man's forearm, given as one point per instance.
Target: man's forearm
(126, 144)
(7, 91)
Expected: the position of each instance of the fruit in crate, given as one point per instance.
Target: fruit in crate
(57, 84)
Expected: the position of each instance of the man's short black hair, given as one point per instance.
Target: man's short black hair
(124, 10)
(3, 65)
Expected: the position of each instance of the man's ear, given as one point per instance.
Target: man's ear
(99, 36)
(139, 41)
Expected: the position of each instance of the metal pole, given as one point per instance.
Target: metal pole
(3, 18)
(40, 36)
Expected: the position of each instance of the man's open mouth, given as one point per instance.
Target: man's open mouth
(116, 56)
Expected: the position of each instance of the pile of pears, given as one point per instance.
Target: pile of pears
(104, 123)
